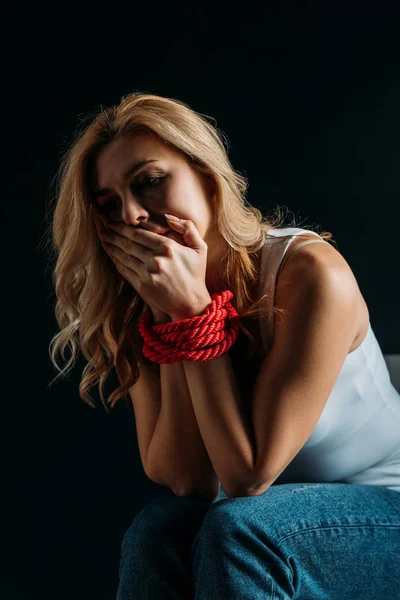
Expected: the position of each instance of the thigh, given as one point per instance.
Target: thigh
(293, 507)
(326, 541)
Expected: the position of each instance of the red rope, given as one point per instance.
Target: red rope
(198, 338)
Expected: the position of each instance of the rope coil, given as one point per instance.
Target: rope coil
(198, 338)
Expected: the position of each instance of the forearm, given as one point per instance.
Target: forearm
(225, 429)
(177, 455)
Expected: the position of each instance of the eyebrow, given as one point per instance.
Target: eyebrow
(132, 169)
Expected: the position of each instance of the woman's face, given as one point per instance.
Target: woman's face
(139, 194)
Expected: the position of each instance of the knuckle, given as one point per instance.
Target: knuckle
(168, 247)
(158, 261)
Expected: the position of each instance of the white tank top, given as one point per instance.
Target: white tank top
(357, 437)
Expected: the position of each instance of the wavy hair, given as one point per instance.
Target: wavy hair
(97, 310)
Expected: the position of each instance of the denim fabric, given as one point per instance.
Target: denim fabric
(324, 541)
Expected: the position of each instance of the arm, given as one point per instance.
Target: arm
(171, 447)
(146, 399)
(224, 427)
(177, 454)
(295, 381)
(219, 412)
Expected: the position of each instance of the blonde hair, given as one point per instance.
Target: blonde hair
(97, 310)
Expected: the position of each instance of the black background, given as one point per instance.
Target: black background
(308, 95)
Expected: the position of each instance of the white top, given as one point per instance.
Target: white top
(357, 437)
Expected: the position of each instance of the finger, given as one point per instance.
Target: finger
(118, 264)
(129, 274)
(134, 248)
(121, 268)
(145, 238)
(116, 253)
(118, 245)
(189, 232)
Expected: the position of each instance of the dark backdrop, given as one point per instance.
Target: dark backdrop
(308, 95)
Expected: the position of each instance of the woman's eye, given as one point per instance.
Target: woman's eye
(139, 185)
(146, 181)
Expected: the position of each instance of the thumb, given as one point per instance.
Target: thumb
(188, 230)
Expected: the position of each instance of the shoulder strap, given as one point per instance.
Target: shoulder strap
(296, 247)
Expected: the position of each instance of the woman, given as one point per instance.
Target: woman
(303, 438)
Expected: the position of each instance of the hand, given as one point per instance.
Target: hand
(168, 275)
(102, 226)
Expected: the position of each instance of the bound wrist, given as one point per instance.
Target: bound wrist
(195, 310)
(160, 319)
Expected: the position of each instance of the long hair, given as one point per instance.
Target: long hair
(97, 310)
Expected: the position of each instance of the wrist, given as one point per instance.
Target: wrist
(160, 319)
(194, 311)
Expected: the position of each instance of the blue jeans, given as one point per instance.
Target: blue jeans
(324, 541)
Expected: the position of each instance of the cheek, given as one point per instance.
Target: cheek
(180, 190)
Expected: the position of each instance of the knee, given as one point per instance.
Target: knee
(275, 513)
(222, 520)
(160, 518)
(230, 516)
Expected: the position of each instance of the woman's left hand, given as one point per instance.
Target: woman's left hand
(165, 273)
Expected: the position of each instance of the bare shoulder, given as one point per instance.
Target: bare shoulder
(319, 258)
(323, 252)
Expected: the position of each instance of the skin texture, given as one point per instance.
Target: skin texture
(183, 192)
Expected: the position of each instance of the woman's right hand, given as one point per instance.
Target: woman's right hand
(159, 316)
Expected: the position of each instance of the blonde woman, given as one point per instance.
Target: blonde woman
(275, 430)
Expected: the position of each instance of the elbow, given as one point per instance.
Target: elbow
(239, 492)
(254, 487)
(205, 493)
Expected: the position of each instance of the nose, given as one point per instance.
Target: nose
(132, 212)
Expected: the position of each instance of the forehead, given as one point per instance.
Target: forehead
(125, 150)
